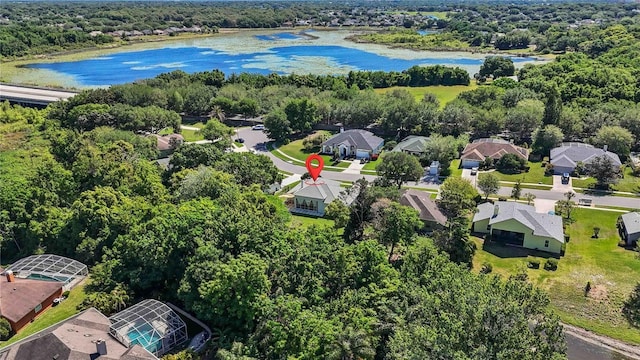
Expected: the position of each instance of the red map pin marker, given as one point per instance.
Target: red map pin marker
(314, 171)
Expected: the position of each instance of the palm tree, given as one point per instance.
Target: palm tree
(352, 344)
(218, 113)
(529, 197)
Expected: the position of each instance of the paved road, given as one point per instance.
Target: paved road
(253, 137)
(33, 95)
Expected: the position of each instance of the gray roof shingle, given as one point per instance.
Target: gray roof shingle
(322, 189)
(631, 222)
(412, 143)
(360, 139)
(569, 154)
(541, 224)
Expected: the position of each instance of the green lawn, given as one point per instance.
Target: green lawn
(371, 165)
(534, 176)
(629, 183)
(189, 135)
(444, 94)
(296, 150)
(612, 271)
(454, 169)
(53, 315)
(305, 221)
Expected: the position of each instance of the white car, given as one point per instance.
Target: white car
(258, 127)
(474, 170)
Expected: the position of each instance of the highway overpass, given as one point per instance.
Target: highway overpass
(32, 96)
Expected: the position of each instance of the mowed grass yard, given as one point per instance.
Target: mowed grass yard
(612, 271)
(629, 183)
(296, 150)
(53, 315)
(535, 175)
(444, 94)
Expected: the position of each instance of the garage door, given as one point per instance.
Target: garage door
(468, 164)
(362, 154)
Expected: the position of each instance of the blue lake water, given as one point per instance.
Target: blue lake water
(281, 53)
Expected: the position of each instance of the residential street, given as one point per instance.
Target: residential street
(254, 137)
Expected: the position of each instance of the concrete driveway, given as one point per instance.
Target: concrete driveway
(473, 179)
(544, 205)
(559, 186)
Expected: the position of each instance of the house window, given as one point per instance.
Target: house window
(546, 243)
(38, 308)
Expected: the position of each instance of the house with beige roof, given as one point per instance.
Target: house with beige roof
(480, 149)
(84, 336)
(428, 211)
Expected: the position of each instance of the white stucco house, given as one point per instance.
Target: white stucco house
(313, 197)
(360, 144)
(516, 224)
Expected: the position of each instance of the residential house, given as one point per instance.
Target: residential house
(431, 216)
(480, 149)
(166, 144)
(21, 300)
(629, 227)
(83, 336)
(313, 197)
(414, 145)
(566, 157)
(517, 224)
(360, 144)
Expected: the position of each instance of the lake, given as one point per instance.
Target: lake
(264, 52)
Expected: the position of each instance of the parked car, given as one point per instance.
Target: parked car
(258, 127)
(565, 178)
(240, 140)
(474, 170)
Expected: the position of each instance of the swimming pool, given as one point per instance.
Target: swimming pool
(146, 337)
(59, 278)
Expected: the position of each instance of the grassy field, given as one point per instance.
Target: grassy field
(611, 270)
(305, 221)
(189, 135)
(296, 150)
(51, 316)
(534, 176)
(629, 183)
(444, 94)
(454, 169)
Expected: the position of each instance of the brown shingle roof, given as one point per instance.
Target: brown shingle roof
(421, 201)
(493, 148)
(74, 339)
(20, 297)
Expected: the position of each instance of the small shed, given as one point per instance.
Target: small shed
(434, 168)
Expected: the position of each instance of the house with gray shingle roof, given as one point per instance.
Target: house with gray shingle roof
(360, 144)
(629, 227)
(566, 157)
(414, 145)
(313, 197)
(516, 224)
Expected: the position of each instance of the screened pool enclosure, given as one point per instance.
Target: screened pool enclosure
(151, 324)
(50, 267)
